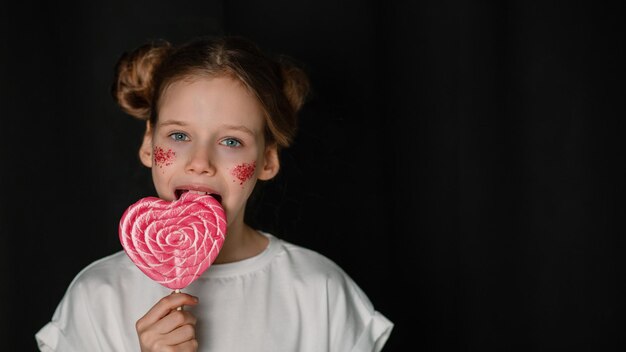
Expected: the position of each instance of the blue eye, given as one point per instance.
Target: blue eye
(231, 142)
(179, 136)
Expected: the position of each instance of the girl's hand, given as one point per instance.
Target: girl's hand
(164, 328)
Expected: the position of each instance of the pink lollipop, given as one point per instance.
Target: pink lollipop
(173, 242)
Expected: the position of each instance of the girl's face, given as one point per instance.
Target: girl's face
(209, 138)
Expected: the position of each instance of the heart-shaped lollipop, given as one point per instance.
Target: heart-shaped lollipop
(173, 242)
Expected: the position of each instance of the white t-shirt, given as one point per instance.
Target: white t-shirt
(287, 298)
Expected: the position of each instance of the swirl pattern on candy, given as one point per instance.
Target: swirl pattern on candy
(173, 243)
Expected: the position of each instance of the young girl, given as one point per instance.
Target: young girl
(217, 113)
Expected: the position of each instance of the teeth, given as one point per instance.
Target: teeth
(198, 192)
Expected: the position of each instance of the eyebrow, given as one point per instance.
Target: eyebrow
(240, 128)
(173, 122)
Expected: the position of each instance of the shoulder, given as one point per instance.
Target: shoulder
(107, 284)
(314, 269)
(116, 261)
(99, 308)
(109, 271)
(352, 320)
(308, 262)
(111, 263)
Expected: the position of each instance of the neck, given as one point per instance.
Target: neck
(242, 242)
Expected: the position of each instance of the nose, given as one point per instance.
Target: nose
(200, 162)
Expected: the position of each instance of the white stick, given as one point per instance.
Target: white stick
(178, 291)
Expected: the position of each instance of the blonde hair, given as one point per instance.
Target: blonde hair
(143, 75)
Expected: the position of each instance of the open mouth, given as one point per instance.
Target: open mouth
(179, 192)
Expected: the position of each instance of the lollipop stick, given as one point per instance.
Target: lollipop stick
(178, 291)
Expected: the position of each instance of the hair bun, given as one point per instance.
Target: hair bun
(133, 86)
(295, 84)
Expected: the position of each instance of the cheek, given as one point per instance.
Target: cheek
(163, 157)
(243, 172)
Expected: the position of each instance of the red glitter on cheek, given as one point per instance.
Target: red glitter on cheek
(163, 157)
(244, 172)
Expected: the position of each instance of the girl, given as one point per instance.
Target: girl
(217, 113)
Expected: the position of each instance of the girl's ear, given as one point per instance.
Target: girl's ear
(271, 164)
(145, 151)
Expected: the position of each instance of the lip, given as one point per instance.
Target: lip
(199, 188)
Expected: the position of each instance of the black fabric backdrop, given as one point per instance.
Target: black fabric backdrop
(462, 161)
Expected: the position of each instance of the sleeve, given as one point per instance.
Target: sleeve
(355, 325)
(374, 335)
(71, 328)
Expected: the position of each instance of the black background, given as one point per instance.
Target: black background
(462, 160)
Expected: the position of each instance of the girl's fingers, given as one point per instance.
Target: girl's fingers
(180, 335)
(176, 328)
(174, 320)
(164, 327)
(163, 307)
(188, 346)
